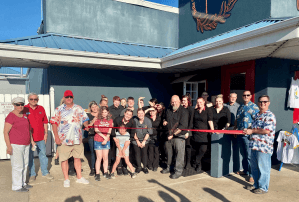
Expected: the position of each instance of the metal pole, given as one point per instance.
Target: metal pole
(21, 72)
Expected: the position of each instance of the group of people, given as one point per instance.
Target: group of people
(153, 132)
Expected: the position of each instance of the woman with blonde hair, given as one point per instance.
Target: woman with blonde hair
(103, 126)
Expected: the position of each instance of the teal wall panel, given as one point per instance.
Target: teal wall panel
(111, 20)
(243, 13)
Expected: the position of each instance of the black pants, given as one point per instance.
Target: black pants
(188, 151)
(141, 155)
(200, 148)
(153, 155)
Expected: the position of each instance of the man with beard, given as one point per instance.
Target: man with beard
(176, 119)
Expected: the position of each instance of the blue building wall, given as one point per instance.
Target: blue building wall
(243, 13)
(38, 81)
(89, 84)
(111, 20)
(285, 8)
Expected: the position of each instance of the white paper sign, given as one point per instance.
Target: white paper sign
(6, 107)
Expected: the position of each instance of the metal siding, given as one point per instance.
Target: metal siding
(83, 44)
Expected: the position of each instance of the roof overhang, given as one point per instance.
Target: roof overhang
(280, 40)
(29, 56)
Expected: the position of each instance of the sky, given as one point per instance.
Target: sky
(22, 18)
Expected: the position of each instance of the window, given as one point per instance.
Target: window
(194, 89)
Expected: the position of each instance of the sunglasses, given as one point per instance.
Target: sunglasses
(264, 102)
(19, 104)
(69, 97)
(247, 95)
(31, 99)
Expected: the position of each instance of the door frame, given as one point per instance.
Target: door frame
(226, 71)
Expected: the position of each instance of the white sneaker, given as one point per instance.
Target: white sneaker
(82, 181)
(67, 183)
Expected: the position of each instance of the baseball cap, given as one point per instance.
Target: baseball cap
(68, 93)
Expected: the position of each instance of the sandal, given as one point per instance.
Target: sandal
(250, 179)
(241, 173)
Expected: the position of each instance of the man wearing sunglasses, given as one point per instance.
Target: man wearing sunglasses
(67, 128)
(261, 142)
(39, 123)
(245, 116)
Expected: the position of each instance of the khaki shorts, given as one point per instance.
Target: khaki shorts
(66, 152)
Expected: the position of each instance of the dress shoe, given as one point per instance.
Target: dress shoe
(175, 176)
(145, 170)
(119, 171)
(125, 171)
(138, 170)
(166, 170)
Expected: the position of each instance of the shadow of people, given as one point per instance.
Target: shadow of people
(215, 194)
(240, 181)
(182, 197)
(144, 199)
(74, 199)
(166, 197)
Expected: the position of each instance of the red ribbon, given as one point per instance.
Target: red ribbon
(233, 132)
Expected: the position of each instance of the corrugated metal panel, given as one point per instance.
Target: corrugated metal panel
(7, 70)
(226, 35)
(91, 45)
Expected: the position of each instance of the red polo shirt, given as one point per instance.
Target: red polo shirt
(37, 118)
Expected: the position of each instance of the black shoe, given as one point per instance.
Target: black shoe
(72, 173)
(82, 160)
(155, 169)
(119, 171)
(112, 176)
(97, 177)
(138, 170)
(175, 176)
(106, 175)
(145, 170)
(27, 186)
(150, 168)
(125, 171)
(92, 172)
(166, 170)
(57, 161)
(22, 190)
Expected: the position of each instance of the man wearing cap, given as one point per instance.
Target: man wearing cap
(39, 123)
(67, 128)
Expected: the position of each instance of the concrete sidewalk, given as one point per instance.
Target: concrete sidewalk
(284, 186)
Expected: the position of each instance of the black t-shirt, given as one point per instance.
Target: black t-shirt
(222, 118)
(179, 118)
(131, 124)
(156, 125)
(200, 121)
(115, 112)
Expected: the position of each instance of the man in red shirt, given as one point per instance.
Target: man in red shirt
(39, 123)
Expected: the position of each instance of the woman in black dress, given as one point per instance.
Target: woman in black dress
(202, 119)
(221, 115)
(153, 147)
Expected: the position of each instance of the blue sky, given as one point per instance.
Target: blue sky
(21, 18)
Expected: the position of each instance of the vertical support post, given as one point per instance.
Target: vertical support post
(52, 111)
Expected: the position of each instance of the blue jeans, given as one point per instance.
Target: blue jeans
(243, 142)
(91, 147)
(261, 168)
(43, 160)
